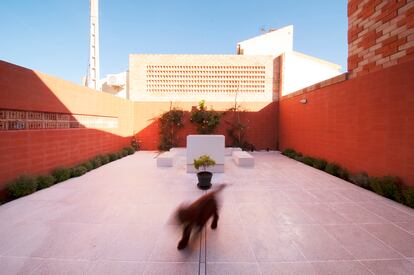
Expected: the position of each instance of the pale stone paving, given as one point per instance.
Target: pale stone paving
(279, 217)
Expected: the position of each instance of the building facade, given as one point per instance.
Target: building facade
(264, 68)
(209, 77)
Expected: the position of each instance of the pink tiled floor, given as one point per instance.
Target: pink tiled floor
(280, 217)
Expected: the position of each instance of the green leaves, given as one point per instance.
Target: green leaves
(205, 120)
(203, 161)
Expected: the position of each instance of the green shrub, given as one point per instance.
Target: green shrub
(119, 154)
(61, 174)
(408, 194)
(204, 161)
(360, 179)
(308, 160)
(78, 171)
(289, 153)
(319, 164)
(88, 165)
(205, 120)
(388, 186)
(96, 162)
(109, 158)
(45, 181)
(104, 159)
(130, 150)
(298, 158)
(333, 169)
(343, 174)
(169, 124)
(22, 186)
(113, 156)
(124, 152)
(135, 143)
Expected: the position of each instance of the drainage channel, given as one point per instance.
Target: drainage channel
(202, 266)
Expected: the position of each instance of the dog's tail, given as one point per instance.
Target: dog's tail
(220, 187)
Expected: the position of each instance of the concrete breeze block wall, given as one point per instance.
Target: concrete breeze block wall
(380, 34)
(165, 77)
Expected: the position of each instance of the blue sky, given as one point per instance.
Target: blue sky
(52, 35)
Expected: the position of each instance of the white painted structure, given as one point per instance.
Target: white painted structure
(228, 151)
(166, 159)
(92, 80)
(264, 68)
(301, 71)
(243, 159)
(273, 43)
(185, 77)
(211, 145)
(115, 84)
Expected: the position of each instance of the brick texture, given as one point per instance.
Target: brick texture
(364, 124)
(379, 34)
(41, 150)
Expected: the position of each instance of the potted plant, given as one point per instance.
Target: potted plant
(204, 176)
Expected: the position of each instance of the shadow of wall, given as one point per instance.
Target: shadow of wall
(37, 151)
(364, 124)
(260, 119)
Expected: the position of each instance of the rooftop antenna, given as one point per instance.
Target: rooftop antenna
(93, 68)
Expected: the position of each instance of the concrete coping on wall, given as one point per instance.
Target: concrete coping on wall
(328, 82)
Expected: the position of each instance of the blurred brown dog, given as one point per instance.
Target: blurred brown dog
(198, 213)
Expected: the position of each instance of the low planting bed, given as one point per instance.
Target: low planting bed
(387, 186)
(28, 184)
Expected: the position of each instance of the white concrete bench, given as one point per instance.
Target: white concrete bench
(166, 159)
(179, 151)
(211, 145)
(242, 158)
(228, 151)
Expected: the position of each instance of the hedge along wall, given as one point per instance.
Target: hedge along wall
(364, 124)
(260, 118)
(37, 151)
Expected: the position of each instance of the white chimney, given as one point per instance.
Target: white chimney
(93, 70)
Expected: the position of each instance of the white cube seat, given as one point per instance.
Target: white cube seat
(211, 145)
(166, 159)
(242, 158)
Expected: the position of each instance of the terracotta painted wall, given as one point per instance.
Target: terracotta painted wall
(39, 151)
(260, 117)
(364, 124)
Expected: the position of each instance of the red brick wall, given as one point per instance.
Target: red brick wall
(39, 151)
(364, 124)
(260, 118)
(380, 34)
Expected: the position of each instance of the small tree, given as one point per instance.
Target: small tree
(203, 161)
(135, 143)
(237, 129)
(170, 123)
(205, 120)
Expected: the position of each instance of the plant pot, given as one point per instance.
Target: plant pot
(204, 180)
